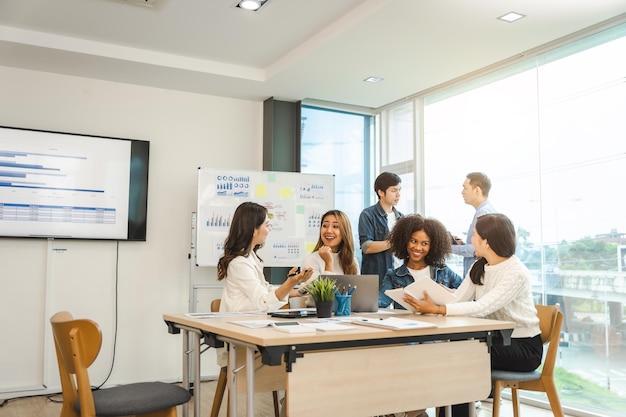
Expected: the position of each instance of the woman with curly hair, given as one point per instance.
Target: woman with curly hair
(423, 244)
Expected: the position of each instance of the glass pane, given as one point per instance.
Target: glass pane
(407, 194)
(399, 146)
(335, 143)
(492, 129)
(583, 151)
(552, 140)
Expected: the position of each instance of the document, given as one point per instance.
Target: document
(395, 323)
(328, 326)
(253, 324)
(437, 292)
(220, 314)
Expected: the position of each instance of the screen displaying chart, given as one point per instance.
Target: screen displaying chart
(64, 185)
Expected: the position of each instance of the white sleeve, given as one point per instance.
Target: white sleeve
(245, 290)
(507, 288)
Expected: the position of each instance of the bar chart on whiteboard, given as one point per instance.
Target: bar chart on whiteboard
(295, 204)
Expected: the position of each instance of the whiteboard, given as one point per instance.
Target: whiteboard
(295, 204)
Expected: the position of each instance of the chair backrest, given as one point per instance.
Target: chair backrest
(77, 343)
(550, 322)
(547, 317)
(215, 305)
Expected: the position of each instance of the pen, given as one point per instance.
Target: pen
(293, 274)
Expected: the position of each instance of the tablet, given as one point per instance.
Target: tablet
(292, 327)
(294, 313)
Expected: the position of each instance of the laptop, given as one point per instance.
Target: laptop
(365, 296)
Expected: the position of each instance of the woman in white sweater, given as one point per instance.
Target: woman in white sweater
(499, 288)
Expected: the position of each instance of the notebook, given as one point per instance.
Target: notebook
(438, 293)
(365, 296)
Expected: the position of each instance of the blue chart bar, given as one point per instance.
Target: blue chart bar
(57, 214)
(12, 174)
(15, 169)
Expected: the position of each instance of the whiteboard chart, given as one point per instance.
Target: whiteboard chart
(295, 204)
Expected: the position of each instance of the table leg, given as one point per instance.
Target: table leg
(232, 379)
(186, 353)
(196, 375)
(250, 381)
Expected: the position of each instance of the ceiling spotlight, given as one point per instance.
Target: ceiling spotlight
(511, 17)
(253, 5)
(373, 79)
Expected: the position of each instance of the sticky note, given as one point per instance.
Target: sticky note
(285, 192)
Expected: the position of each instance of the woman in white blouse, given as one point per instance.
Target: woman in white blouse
(245, 286)
(334, 251)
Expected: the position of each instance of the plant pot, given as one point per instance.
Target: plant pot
(324, 308)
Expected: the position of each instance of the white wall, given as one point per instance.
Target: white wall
(136, 281)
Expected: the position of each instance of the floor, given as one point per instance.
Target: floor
(44, 406)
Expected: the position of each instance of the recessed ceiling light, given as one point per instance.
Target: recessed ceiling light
(511, 17)
(253, 5)
(373, 79)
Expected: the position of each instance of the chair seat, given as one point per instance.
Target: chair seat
(139, 398)
(498, 375)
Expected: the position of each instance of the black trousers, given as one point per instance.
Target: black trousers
(522, 355)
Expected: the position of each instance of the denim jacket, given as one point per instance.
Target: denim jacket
(401, 277)
(373, 227)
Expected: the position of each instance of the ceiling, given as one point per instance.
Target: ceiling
(290, 49)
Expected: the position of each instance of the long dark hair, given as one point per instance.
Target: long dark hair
(440, 246)
(499, 231)
(248, 217)
(346, 247)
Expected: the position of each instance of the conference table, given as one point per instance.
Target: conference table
(362, 371)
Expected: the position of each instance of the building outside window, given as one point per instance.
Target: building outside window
(550, 132)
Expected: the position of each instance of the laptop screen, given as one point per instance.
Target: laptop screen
(365, 296)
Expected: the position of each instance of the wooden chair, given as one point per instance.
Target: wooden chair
(77, 344)
(550, 321)
(221, 380)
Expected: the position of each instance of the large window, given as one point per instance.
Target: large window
(550, 132)
(338, 143)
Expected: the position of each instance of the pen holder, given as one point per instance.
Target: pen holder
(343, 306)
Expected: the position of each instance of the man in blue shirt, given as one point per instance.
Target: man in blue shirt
(375, 222)
(475, 192)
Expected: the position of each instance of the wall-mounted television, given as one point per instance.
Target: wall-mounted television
(72, 186)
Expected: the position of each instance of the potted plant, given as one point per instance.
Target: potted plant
(322, 290)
